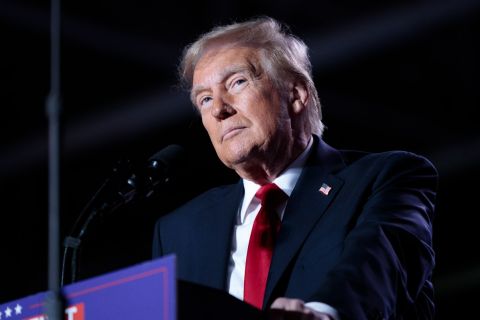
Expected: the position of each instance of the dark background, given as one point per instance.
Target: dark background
(390, 74)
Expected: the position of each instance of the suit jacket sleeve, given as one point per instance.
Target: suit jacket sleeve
(385, 266)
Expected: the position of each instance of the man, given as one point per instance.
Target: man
(355, 240)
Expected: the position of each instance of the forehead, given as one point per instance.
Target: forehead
(218, 62)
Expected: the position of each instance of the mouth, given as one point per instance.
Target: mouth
(231, 132)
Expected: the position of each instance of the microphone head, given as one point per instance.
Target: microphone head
(164, 165)
(167, 156)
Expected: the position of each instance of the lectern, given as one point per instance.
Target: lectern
(145, 291)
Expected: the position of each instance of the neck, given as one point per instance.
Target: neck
(264, 170)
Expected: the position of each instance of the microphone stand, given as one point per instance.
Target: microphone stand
(112, 199)
(54, 302)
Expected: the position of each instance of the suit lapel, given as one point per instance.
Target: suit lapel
(305, 207)
(215, 238)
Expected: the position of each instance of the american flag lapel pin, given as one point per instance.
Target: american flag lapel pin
(325, 189)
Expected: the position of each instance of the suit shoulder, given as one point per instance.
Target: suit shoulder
(391, 168)
(387, 160)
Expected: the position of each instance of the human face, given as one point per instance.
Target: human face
(244, 114)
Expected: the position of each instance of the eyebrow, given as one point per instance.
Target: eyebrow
(225, 74)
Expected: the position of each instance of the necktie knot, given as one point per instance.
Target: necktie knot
(271, 196)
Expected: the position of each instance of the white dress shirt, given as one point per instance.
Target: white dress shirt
(244, 224)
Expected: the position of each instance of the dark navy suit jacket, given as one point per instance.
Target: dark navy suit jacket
(365, 248)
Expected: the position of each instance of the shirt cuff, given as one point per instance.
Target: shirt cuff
(323, 308)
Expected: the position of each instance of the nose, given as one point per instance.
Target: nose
(222, 107)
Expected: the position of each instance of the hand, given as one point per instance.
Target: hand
(294, 309)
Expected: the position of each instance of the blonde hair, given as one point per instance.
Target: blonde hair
(284, 57)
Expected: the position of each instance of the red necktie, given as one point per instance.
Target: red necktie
(261, 244)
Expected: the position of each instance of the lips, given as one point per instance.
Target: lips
(231, 132)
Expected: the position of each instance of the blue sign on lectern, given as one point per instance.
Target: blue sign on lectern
(144, 291)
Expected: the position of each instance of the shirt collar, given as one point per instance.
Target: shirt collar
(285, 181)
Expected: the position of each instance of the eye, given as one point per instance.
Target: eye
(238, 83)
(204, 100)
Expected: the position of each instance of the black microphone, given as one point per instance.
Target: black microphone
(163, 167)
(160, 170)
(126, 184)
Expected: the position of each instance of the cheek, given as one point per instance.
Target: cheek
(207, 122)
(269, 120)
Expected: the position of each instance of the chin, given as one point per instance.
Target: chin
(234, 158)
(238, 151)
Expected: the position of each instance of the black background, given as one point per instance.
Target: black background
(390, 74)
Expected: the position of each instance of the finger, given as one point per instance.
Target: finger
(279, 303)
(288, 304)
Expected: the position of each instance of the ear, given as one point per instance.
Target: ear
(298, 97)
